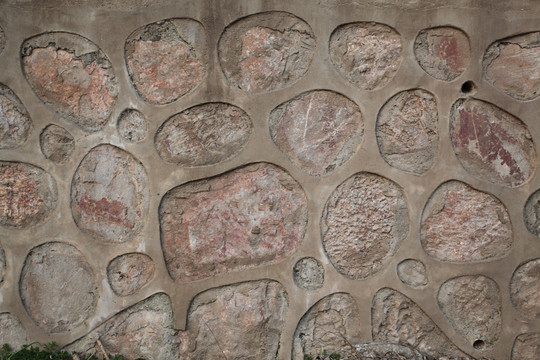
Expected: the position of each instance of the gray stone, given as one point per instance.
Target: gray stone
(56, 143)
(531, 213)
(308, 273)
(385, 351)
(132, 125)
(413, 273)
(526, 347)
(15, 122)
(129, 273)
(12, 332)
(2, 40)
(3, 265)
(525, 288)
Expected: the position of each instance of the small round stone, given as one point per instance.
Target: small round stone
(308, 274)
(129, 273)
(56, 143)
(531, 213)
(525, 288)
(132, 125)
(413, 273)
(15, 122)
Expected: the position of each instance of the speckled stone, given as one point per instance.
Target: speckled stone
(12, 332)
(308, 274)
(56, 143)
(526, 347)
(525, 288)
(2, 40)
(15, 122)
(385, 351)
(132, 125)
(413, 273)
(129, 273)
(531, 213)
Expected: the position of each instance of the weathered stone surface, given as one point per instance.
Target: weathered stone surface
(132, 125)
(266, 52)
(525, 288)
(367, 54)
(240, 321)
(249, 217)
(472, 305)
(363, 223)
(130, 272)
(109, 194)
(318, 130)
(166, 59)
(332, 324)
(3, 264)
(27, 194)
(58, 288)
(491, 144)
(11, 331)
(443, 52)
(56, 143)
(2, 40)
(407, 131)
(397, 319)
(203, 135)
(383, 351)
(526, 347)
(72, 76)
(413, 273)
(15, 122)
(308, 273)
(531, 213)
(144, 330)
(512, 65)
(462, 224)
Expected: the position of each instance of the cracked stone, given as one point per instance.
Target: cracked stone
(526, 347)
(15, 122)
(132, 125)
(129, 273)
(12, 332)
(56, 143)
(525, 288)
(413, 273)
(308, 274)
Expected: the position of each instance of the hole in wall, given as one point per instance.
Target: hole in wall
(479, 344)
(468, 88)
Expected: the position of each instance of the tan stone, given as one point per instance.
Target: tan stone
(15, 122)
(129, 273)
(56, 143)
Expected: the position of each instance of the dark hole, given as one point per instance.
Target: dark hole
(479, 344)
(468, 87)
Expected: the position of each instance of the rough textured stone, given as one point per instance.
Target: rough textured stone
(249, 217)
(491, 144)
(130, 272)
(385, 351)
(397, 319)
(512, 65)
(72, 76)
(531, 213)
(472, 305)
(462, 224)
(443, 52)
(56, 143)
(58, 288)
(3, 265)
(109, 194)
(166, 59)
(308, 273)
(364, 221)
(266, 52)
(407, 131)
(332, 324)
(15, 122)
(2, 40)
(11, 331)
(525, 288)
(203, 135)
(367, 54)
(132, 125)
(240, 321)
(413, 273)
(27, 194)
(318, 130)
(144, 330)
(526, 347)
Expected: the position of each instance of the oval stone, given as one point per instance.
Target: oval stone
(526, 347)
(266, 52)
(27, 194)
(308, 274)
(56, 143)
(57, 287)
(109, 194)
(531, 213)
(249, 217)
(525, 288)
(129, 273)
(318, 130)
(132, 125)
(413, 273)
(71, 75)
(15, 122)
(166, 59)
(205, 134)
(491, 144)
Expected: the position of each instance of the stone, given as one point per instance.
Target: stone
(109, 195)
(525, 288)
(239, 321)
(15, 122)
(531, 213)
(407, 131)
(57, 144)
(166, 59)
(203, 135)
(132, 125)
(526, 347)
(472, 305)
(3, 265)
(318, 130)
(396, 319)
(363, 223)
(443, 52)
(266, 52)
(413, 273)
(129, 273)
(2, 40)
(512, 65)
(461, 224)
(308, 274)
(249, 217)
(383, 351)
(28, 195)
(72, 76)
(144, 330)
(57, 287)
(332, 325)
(367, 54)
(12, 332)
(491, 144)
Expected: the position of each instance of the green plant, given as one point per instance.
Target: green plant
(335, 356)
(49, 351)
(308, 357)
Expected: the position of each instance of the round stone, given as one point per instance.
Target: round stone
(363, 223)
(526, 347)
(15, 122)
(132, 125)
(531, 213)
(525, 288)
(56, 143)
(413, 273)
(308, 274)
(12, 332)
(129, 273)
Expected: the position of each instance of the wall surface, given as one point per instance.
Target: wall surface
(271, 179)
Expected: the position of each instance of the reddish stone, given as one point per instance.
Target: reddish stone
(525, 288)
(15, 123)
(249, 217)
(132, 125)
(56, 143)
(526, 347)
(129, 273)
(72, 76)
(318, 130)
(491, 144)
(166, 59)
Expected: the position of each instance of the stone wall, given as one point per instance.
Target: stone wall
(271, 179)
